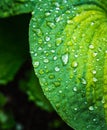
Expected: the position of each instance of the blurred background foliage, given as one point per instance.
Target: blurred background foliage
(23, 105)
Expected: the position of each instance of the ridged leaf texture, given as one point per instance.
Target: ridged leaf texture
(68, 45)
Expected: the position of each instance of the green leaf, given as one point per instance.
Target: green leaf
(3, 100)
(69, 54)
(6, 118)
(13, 46)
(31, 86)
(15, 7)
(6, 121)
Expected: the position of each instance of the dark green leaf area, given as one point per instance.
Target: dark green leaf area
(30, 84)
(3, 100)
(13, 46)
(6, 119)
(15, 7)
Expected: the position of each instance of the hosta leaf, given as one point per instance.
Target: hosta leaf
(14, 7)
(69, 53)
(12, 46)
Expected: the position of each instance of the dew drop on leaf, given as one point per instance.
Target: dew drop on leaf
(58, 19)
(69, 21)
(47, 38)
(95, 54)
(74, 64)
(75, 89)
(47, 14)
(57, 68)
(60, 91)
(84, 81)
(46, 61)
(55, 57)
(58, 41)
(36, 64)
(51, 76)
(65, 59)
(38, 32)
(94, 71)
(51, 25)
(57, 84)
(91, 108)
(95, 79)
(91, 46)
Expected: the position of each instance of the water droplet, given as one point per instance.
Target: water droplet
(46, 61)
(34, 25)
(74, 38)
(33, 12)
(51, 76)
(57, 4)
(74, 64)
(95, 54)
(75, 109)
(76, 56)
(65, 58)
(47, 38)
(57, 68)
(91, 46)
(58, 41)
(49, 45)
(94, 71)
(68, 12)
(94, 119)
(46, 89)
(70, 21)
(88, 126)
(41, 71)
(36, 64)
(45, 83)
(38, 32)
(95, 79)
(97, 59)
(57, 84)
(51, 25)
(84, 81)
(53, 51)
(57, 9)
(32, 52)
(55, 57)
(46, 70)
(91, 108)
(75, 89)
(58, 19)
(92, 23)
(47, 14)
(85, 103)
(65, 1)
(40, 48)
(99, 49)
(60, 91)
(103, 101)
